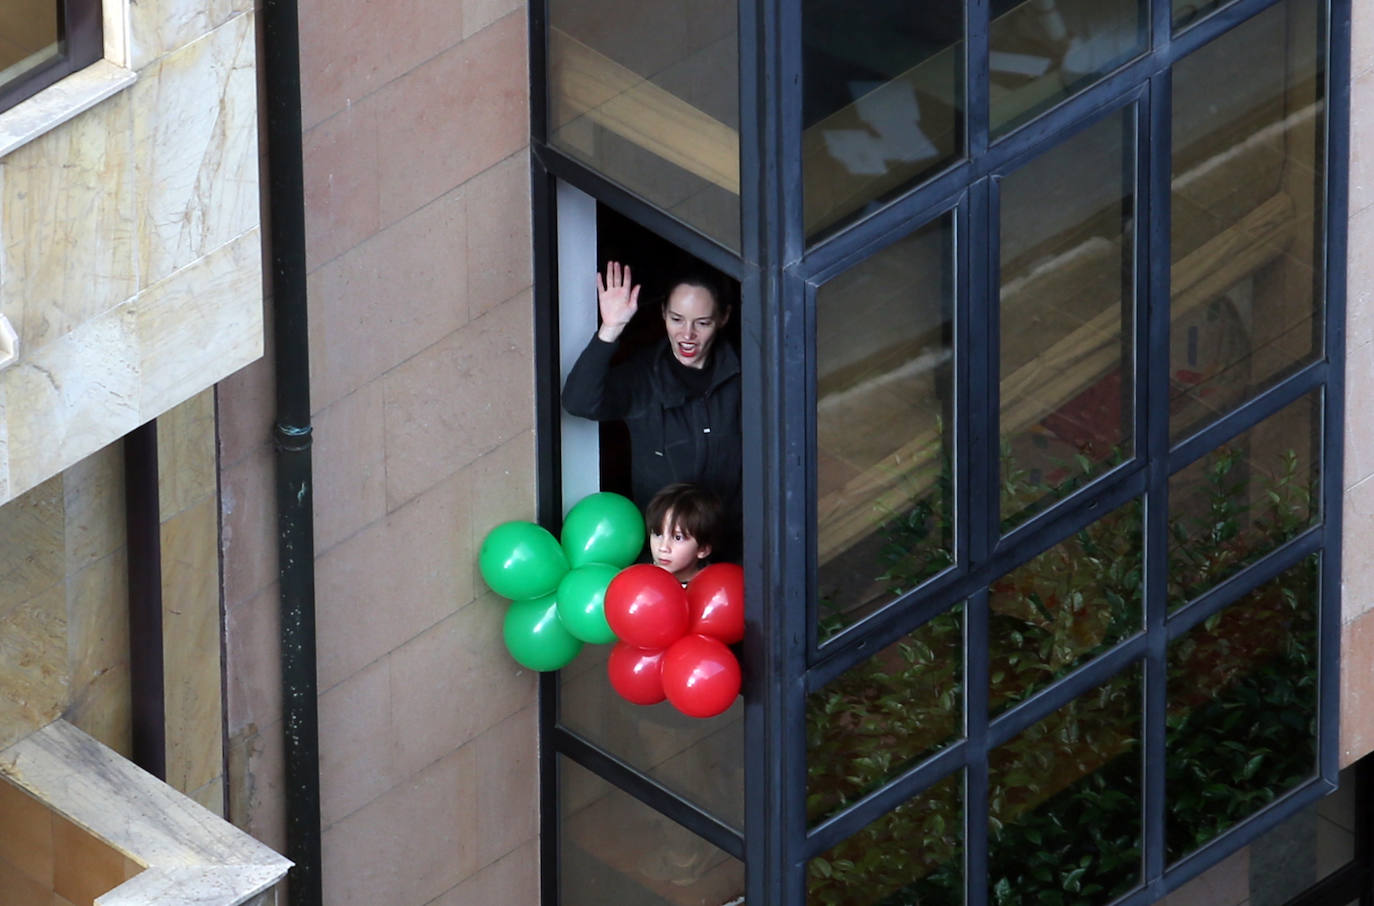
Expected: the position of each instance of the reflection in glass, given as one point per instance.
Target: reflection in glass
(882, 101)
(1042, 51)
(1246, 304)
(1064, 607)
(1064, 802)
(1242, 709)
(29, 36)
(913, 854)
(647, 93)
(615, 849)
(883, 716)
(1066, 309)
(1186, 12)
(884, 391)
(702, 760)
(1244, 499)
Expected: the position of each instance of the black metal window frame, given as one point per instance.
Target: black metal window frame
(80, 26)
(779, 274)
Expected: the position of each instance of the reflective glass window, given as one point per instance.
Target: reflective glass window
(1067, 305)
(29, 36)
(1246, 302)
(882, 101)
(884, 425)
(646, 92)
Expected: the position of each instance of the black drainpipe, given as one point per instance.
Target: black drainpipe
(295, 525)
(144, 551)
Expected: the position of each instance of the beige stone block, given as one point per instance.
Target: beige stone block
(93, 496)
(478, 14)
(200, 324)
(256, 783)
(460, 660)
(503, 485)
(512, 879)
(393, 580)
(246, 408)
(33, 663)
(484, 82)
(100, 698)
(32, 544)
(357, 744)
(500, 256)
(349, 465)
(1361, 134)
(26, 844)
(408, 845)
(1361, 39)
(386, 300)
(1357, 689)
(158, 27)
(1359, 414)
(196, 135)
(463, 397)
(248, 517)
(341, 201)
(1225, 884)
(211, 796)
(186, 454)
(253, 660)
(507, 764)
(191, 649)
(1357, 531)
(70, 397)
(1359, 321)
(67, 215)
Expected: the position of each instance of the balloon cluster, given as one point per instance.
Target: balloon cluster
(557, 589)
(673, 641)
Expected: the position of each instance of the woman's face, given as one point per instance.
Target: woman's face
(692, 322)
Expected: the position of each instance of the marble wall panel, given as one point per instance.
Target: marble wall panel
(67, 224)
(32, 550)
(72, 396)
(191, 649)
(93, 498)
(33, 663)
(158, 27)
(186, 454)
(195, 128)
(200, 324)
(100, 695)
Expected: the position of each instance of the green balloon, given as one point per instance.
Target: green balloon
(536, 638)
(521, 560)
(603, 528)
(582, 602)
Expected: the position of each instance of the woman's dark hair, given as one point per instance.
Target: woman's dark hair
(702, 280)
(695, 510)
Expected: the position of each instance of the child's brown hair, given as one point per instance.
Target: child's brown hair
(695, 510)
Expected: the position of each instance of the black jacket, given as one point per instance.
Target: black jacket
(674, 436)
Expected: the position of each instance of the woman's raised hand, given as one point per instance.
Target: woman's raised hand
(618, 300)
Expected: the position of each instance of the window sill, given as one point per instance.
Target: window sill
(60, 102)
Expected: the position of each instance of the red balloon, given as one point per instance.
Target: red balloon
(715, 602)
(700, 676)
(636, 673)
(646, 606)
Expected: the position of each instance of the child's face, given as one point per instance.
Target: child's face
(675, 550)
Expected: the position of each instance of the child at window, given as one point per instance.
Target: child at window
(685, 522)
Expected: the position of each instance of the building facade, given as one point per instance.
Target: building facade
(951, 244)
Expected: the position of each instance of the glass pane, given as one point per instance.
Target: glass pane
(1246, 298)
(615, 849)
(1065, 804)
(1244, 499)
(1066, 310)
(913, 854)
(883, 716)
(884, 389)
(1242, 709)
(1042, 51)
(1066, 606)
(882, 101)
(1186, 12)
(647, 93)
(702, 760)
(29, 36)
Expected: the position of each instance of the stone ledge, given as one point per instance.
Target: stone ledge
(60, 102)
(189, 854)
